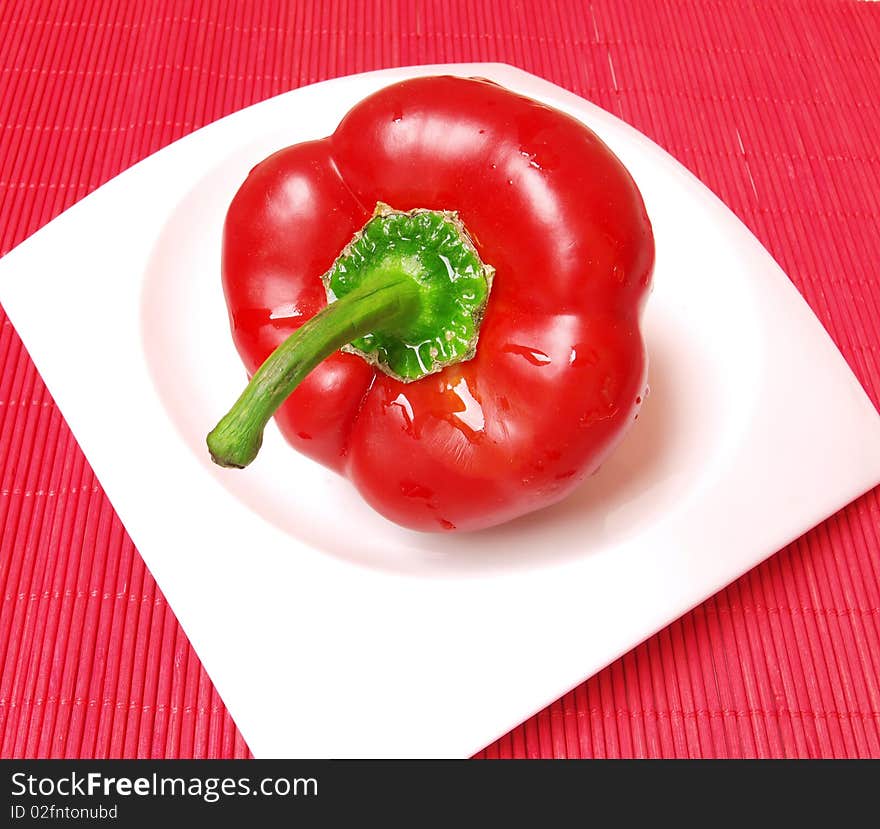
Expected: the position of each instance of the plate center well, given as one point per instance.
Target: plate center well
(700, 395)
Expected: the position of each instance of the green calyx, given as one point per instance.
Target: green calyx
(407, 294)
(433, 249)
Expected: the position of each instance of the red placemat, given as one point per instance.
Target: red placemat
(773, 104)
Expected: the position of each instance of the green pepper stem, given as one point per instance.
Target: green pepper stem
(386, 301)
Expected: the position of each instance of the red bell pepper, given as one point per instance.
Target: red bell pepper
(439, 438)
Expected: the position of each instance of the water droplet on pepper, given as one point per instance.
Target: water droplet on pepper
(535, 357)
(583, 355)
(405, 406)
(413, 490)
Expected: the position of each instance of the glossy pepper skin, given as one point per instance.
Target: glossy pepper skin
(560, 366)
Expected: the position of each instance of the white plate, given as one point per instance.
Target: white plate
(330, 632)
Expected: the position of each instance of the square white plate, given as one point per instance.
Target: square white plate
(330, 632)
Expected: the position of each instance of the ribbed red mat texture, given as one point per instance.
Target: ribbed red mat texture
(773, 104)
